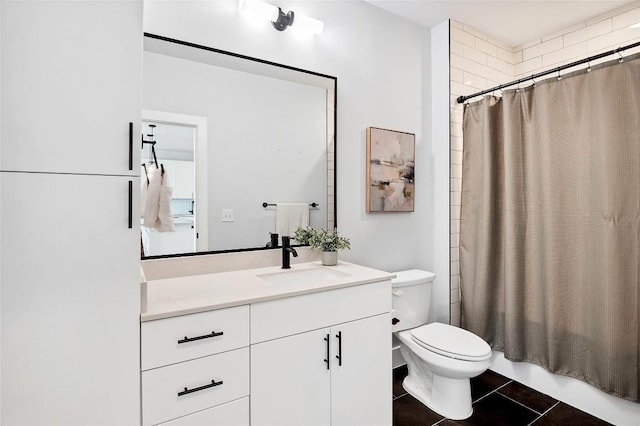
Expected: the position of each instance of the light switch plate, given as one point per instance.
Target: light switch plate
(227, 215)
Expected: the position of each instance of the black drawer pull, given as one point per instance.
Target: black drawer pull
(130, 146)
(199, 388)
(339, 356)
(130, 220)
(206, 336)
(326, 339)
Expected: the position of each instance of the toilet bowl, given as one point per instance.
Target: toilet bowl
(440, 358)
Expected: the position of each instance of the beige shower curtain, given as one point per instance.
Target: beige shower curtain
(550, 225)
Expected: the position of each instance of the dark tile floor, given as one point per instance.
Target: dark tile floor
(497, 400)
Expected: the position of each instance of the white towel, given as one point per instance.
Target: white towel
(157, 208)
(291, 216)
(152, 200)
(165, 217)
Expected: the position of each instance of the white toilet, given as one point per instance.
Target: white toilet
(441, 358)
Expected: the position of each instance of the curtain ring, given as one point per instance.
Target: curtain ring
(621, 59)
(559, 76)
(588, 66)
(533, 80)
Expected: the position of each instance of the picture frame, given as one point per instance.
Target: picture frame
(390, 171)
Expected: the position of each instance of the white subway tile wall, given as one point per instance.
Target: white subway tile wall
(478, 62)
(579, 41)
(542, 48)
(616, 12)
(331, 167)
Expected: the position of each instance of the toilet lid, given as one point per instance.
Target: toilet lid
(451, 341)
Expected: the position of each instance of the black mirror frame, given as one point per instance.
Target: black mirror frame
(275, 64)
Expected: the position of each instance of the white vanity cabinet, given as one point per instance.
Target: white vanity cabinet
(323, 358)
(195, 369)
(315, 343)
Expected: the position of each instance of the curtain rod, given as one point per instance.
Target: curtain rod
(462, 99)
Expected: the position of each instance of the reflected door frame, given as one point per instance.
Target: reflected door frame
(200, 159)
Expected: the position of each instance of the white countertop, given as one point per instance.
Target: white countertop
(198, 293)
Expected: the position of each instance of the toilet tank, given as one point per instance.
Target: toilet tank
(411, 296)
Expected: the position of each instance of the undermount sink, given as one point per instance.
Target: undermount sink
(309, 276)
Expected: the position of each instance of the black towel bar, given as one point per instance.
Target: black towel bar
(265, 205)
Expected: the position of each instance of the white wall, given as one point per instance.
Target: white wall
(377, 59)
(440, 153)
(479, 62)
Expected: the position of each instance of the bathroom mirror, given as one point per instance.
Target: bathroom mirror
(262, 133)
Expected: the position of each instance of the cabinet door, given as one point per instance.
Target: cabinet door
(70, 300)
(71, 83)
(361, 372)
(290, 382)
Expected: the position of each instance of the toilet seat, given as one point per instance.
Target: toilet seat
(452, 342)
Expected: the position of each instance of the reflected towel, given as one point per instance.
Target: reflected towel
(291, 216)
(165, 217)
(157, 204)
(152, 200)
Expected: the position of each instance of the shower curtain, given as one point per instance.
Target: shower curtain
(550, 225)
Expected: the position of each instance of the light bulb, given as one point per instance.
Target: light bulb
(258, 9)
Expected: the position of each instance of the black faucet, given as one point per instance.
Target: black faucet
(286, 251)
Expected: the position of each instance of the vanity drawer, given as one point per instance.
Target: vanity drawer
(234, 413)
(163, 389)
(284, 317)
(171, 340)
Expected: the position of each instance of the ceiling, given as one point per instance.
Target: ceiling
(514, 22)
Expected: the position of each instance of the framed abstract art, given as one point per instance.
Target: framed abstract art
(390, 170)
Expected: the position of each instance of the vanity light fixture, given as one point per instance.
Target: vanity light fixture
(279, 19)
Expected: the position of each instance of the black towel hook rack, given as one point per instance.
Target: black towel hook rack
(151, 142)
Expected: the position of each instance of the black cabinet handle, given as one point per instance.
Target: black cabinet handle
(326, 339)
(130, 146)
(206, 336)
(130, 204)
(199, 388)
(339, 356)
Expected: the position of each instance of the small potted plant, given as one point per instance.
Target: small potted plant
(321, 239)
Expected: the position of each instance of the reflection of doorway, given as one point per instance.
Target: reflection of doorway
(180, 141)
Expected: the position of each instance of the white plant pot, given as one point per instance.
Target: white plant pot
(330, 258)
